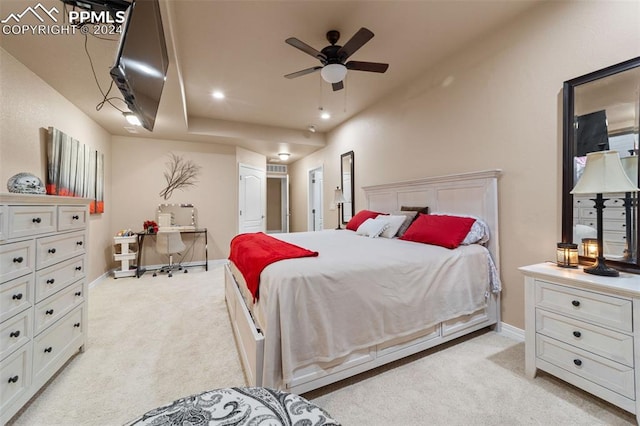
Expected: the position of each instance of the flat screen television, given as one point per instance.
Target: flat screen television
(141, 61)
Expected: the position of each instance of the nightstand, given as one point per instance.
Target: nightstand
(584, 329)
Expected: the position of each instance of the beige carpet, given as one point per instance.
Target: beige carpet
(153, 340)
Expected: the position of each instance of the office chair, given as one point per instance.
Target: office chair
(170, 243)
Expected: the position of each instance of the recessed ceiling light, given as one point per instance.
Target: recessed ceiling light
(218, 94)
(312, 128)
(325, 115)
(132, 118)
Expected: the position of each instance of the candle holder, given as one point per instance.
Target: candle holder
(567, 255)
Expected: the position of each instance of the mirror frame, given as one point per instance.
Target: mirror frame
(568, 92)
(347, 155)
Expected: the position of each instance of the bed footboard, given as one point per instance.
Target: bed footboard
(249, 339)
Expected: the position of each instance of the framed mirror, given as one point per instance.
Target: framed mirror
(347, 185)
(601, 111)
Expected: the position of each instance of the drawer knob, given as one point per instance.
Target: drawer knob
(50, 281)
(575, 303)
(48, 350)
(49, 312)
(78, 243)
(78, 268)
(78, 293)
(76, 325)
(36, 220)
(17, 296)
(577, 334)
(14, 333)
(13, 379)
(577, 362)
(52, 250)
(75, 217)
(18, 259)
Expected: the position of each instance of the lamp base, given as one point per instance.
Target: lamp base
(601, 268)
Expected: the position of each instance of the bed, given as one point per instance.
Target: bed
(365, 302)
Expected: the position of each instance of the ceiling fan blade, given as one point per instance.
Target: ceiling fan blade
(357, 41)
(337, 86)
(305, 48)
(367, 66)
(303, 72)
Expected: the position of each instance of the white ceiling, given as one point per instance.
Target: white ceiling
(238, 47)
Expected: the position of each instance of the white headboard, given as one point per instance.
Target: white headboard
(473, 193)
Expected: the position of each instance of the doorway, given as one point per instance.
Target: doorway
(315, 221)
(277, 204)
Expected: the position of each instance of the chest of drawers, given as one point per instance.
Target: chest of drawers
(43, 289)
(584, 329)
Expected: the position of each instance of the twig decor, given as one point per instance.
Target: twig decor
(180, 173)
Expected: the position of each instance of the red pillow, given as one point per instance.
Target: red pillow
(445, 231)
(359, 219)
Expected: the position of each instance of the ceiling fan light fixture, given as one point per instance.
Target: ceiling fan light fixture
(333, 73)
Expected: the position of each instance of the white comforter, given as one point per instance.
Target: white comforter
(360, 292)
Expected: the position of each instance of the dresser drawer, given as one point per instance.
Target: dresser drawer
(54, 249)
(52, 344)
(72, 217)
(31, 220)
(16, 296)
(58, 305)
(15, 332)
(56, 277)
(16, 259)
(614, 376)
(600, 309)
(601, 341)
(15, 376)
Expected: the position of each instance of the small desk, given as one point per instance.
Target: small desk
(141, 270)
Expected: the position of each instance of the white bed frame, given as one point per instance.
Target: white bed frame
(468, 193)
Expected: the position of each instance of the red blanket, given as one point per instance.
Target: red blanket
(253, 252)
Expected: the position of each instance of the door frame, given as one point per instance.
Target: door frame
(284, 197)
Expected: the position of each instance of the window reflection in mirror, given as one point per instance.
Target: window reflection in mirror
(602, 111)
(347, 185)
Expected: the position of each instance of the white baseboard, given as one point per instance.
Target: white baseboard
(512, 332)
(98, 280)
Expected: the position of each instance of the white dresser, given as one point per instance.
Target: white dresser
(43, 291)
(585, 329)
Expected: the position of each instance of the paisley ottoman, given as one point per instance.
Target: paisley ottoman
(238, 406)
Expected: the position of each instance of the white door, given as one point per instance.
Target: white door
(315, 200)
(252, 200)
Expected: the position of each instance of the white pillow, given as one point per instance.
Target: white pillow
(372, 228)
(479, 232)
(395, 222)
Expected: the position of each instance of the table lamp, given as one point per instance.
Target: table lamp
(603, 174)
(338, 200)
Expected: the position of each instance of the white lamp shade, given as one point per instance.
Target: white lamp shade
(338, 197)
(603, 174)
(333, 73)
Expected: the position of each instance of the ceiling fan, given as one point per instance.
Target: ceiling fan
(333, 57)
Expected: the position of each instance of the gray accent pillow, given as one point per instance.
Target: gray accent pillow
(410, 217)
